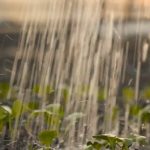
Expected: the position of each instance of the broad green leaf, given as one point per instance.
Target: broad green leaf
(47, 137)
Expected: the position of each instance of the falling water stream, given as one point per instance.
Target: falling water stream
(78, 50)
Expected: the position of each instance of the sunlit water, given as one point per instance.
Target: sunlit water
(82, 49)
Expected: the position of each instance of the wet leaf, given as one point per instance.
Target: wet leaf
(47, 137)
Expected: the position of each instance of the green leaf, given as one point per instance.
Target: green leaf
(146, 93)
(134, 110)
(127, 142)
(18, 108)
(113, 140)
(145, 117)
(145, 114)
(115, 112)
(75, 116)
(56, 109)
(36, 89)
(55, 106)
(49, 89)
(3, 113)
(41, 112)
(94, 145)
(107, 137)
(101, 95)
(33, 105)
(65, 94)
(138, 138)
(47, 137)
(7, 108)
(88, 147)
(1, 126)
(4, 89)
(128, 94)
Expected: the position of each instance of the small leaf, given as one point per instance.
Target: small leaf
(7, 108)
(127, 142)
(139, 138)
(55, 106)
(18, 108)
(134, 110)
(4, 89)
(128, 94)
(75, 116)
(1, 126)
(36, 89)
(145, 117)
(146, 93)
(101, 95)
(65, 94)
(145, 114)
(3, 113)
(33, 105)
(49, 89)
(47, 137)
